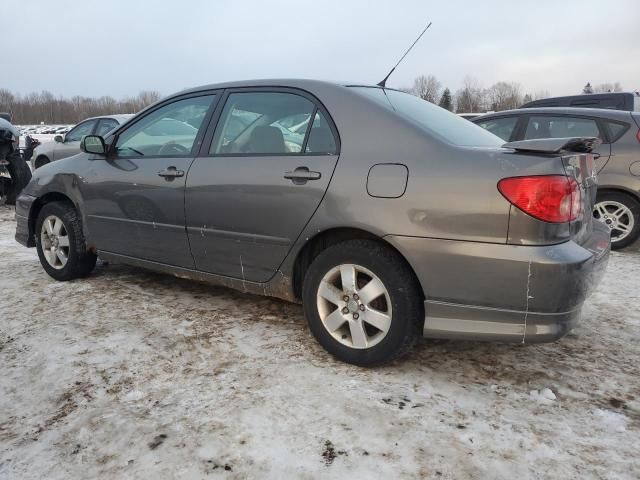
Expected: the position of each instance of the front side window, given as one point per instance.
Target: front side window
(262, 123)
(168, 131)
(105, 126)
(548, 126)
(436, 120)
(502, 127)
(79, 131)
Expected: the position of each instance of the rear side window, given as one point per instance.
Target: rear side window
(446, 125)
(502, 127)
(543, 126)
(262, 123)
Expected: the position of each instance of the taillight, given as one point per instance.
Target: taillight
(638, 135)
(551, 198)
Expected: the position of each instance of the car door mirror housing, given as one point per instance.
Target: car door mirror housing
(58, 139)
(93, 144)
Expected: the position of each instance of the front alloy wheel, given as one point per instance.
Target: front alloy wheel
(55, 242)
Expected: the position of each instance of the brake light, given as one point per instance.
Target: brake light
(551, 198)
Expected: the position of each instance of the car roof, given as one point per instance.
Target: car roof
(589, 112)
(302, 83)
(119, 117)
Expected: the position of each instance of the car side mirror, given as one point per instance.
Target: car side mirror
(93, 144)
(58, 139)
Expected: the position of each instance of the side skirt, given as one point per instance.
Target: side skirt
(279, 286)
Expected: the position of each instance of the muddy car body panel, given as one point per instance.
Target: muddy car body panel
(486, 270)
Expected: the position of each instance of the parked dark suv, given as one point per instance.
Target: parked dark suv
(617, 162)
(612, 100)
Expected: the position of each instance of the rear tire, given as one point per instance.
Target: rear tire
(61, 244)
(378, 318)
(621, 213)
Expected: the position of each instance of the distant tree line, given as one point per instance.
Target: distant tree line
(473, 98)
(44, 107)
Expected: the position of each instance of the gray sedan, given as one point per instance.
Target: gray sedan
(69, 144)
(386, 216)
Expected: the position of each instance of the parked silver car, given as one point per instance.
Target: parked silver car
(388, 218)
(69, 144)
(617, 158)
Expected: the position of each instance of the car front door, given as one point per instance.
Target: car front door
(134, 198)
(250, 194)
(71, 143)
(564, 126)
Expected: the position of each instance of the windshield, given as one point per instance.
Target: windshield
(446, 125)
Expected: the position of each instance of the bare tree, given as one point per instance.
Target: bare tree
(45, 107)
(504, 96)
(607, 87)
(470, 98)
(427, 88)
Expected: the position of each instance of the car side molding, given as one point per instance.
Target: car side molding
(555, 145)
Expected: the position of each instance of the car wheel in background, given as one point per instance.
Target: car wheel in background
(40, 161)
(60, 243)
(362, 302)
(621, 213)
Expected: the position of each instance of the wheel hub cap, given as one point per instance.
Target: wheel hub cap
(617, 216)
(354, 306)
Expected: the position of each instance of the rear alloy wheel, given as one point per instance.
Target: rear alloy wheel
(362, 302)
(621, 213)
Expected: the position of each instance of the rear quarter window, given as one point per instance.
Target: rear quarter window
(616, 129)
(442, 123)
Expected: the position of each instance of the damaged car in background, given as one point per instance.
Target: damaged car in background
(386, 216)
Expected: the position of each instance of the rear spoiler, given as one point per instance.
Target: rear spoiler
(555, 145)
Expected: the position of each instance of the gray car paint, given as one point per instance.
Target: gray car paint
(249, 228)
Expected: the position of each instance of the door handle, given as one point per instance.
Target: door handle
(171, 172)
(302, 175)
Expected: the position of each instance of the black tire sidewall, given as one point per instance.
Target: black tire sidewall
(80, 262)
(406, 301)
(634, 206)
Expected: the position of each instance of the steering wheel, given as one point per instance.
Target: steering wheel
(172, 148)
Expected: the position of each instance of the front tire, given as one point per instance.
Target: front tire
(40, 161)
(60, 243)
(621, 213)
(362, 303)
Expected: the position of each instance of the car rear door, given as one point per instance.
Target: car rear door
(134, 199)
(566, 126)
(251, 192)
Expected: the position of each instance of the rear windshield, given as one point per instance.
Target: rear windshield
(442, 123)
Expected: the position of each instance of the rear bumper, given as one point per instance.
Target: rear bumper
(504, 292)
(23, 207)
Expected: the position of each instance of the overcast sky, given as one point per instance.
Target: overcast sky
(118, 48)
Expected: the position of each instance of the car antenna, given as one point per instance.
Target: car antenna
(383, 83)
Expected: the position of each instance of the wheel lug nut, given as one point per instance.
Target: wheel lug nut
(355, 316)
(355, 296)
(345, 298)
(345, 310)
(362, 307)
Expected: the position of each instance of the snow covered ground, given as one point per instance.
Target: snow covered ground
(130, 374)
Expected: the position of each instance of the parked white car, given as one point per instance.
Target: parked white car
(67, 145)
